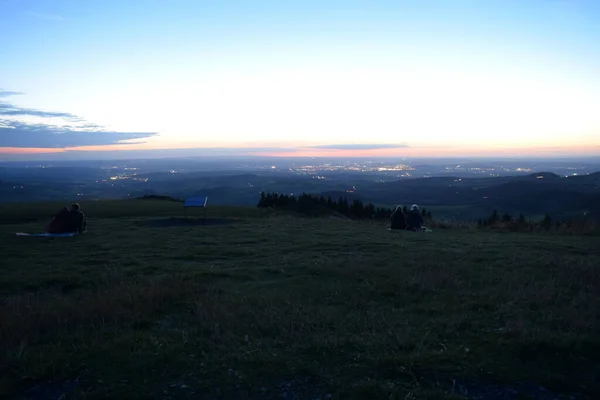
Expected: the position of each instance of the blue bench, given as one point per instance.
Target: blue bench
(195, 202)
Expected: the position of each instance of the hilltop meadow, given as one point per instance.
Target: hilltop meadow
(256, 304)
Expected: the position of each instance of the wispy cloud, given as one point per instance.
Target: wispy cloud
(359, 146)
(7, 109)
(24, 135)
(6, 93)
(48, 16)
(54, 133)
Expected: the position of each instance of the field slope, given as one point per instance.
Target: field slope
(255, 305)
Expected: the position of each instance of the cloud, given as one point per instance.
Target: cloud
(7, 109)
(359, 146)
(6, 93)
(17, 133)
(25, 135)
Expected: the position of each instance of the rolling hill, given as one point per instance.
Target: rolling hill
(453, 197)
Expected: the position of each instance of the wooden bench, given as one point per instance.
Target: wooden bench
(195, 202)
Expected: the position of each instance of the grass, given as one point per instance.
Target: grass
(20, 213)
(265, 307)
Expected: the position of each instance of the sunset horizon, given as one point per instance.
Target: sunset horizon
(18, 154)
(362, 79)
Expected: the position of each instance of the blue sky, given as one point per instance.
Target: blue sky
(421, 74)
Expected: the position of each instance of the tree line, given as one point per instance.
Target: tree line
(520, 223)
(308, 203)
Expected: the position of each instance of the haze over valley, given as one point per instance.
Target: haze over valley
(458, 188)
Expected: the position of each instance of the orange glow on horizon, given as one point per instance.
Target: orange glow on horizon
(29, 150)
(437, 152)
(582, 150)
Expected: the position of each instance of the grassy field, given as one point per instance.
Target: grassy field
(254, 305)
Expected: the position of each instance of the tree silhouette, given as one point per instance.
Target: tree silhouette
(546, 222)
(370, 211)
(307, 203)
(263, 199)
(494, 218)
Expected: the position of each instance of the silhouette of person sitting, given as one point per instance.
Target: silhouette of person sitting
(68, 221)
(60, 223)
(414, 219)
(77, 219)
(398, 221)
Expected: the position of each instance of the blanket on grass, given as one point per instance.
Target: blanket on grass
(47, 234)
(423, 229)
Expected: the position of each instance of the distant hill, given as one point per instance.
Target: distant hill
(452, 197)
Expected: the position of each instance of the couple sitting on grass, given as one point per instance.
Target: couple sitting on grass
(407, 220)
(68, 221)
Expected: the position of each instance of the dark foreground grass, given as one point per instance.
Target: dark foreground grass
(274, 307)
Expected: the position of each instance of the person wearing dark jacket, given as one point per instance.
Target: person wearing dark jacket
(77, 219)
(60, 223)
(414, 219)
(397, 219)
(67, 221)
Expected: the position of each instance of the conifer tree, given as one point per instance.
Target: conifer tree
(494, 218)
(340, 208)
(269, 200)
(263, 198)
(370, 211)
(344, 207)
(355, 209)
(546, 222)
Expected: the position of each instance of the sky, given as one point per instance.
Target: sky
(300, 78)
